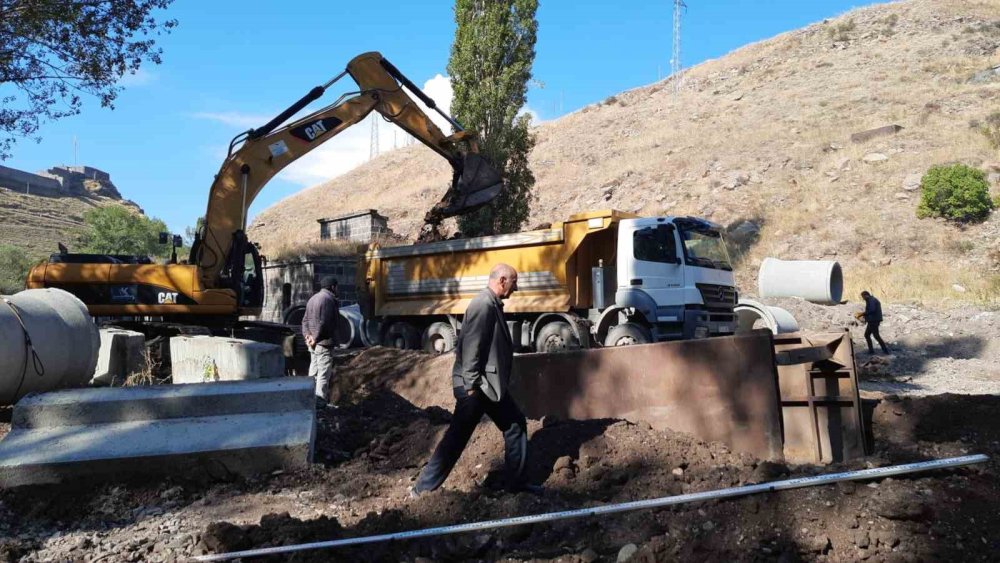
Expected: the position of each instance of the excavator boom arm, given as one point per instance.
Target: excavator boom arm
(265, 151)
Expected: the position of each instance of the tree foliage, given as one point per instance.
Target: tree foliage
(490, 68)
(957, 192)
(54, 52)
(14, 266)
(117, 230)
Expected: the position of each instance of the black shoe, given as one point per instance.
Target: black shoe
(321, 403)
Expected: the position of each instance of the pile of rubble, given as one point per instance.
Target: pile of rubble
(372, 444)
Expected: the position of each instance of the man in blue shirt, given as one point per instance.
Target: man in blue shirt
(873, 318)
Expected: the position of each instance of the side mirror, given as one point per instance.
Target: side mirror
(164, 238)
(178, 241)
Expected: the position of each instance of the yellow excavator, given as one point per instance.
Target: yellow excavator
(222, 280)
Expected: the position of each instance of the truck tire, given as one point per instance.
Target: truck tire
(439, 338)
(627, 334)
(556, 336)
(293, 315)
(402, 335)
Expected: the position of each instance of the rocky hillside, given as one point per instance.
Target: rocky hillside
(762, 139)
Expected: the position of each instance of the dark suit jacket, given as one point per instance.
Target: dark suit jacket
(484, 352)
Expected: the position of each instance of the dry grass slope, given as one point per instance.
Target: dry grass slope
(764, 134)
(37, 223)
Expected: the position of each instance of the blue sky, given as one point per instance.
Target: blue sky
(232, 65)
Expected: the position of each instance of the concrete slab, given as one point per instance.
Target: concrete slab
(122, 353)
(201, 359)
(215, 429)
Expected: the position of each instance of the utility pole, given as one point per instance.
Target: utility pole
(373, 148)
(75, 145)
(675, 60)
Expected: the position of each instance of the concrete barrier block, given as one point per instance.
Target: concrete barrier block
(213, 429)
(201, 359)
(122, 353)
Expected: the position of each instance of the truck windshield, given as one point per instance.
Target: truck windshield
(705, 248)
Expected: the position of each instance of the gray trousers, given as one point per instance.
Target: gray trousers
(320, 366)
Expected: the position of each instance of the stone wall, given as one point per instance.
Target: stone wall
(26, 182)
(291, 283)
(356, 227)
(60, 181)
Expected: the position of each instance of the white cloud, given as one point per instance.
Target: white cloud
(140, 77)
(535, 118)
(235, 118)
(333, 158)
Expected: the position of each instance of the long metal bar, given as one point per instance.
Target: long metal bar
(878, 472)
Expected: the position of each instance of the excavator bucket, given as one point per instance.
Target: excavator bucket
(477, 184)
(793, 398)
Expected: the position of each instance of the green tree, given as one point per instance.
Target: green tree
(957, 192)
(53, 52)
(117, 230)
(490, 67)
(14, 266)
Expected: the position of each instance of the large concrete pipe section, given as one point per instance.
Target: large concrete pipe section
(47, 341)
(752, 314)
(371, 330)
(349, 327)
(817, 281)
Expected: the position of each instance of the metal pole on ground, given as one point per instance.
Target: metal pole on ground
(876, 473)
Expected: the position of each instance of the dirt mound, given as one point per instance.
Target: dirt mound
(371, 445)
(422, 379)
(590, 463)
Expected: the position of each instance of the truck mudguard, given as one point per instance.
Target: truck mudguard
(637, 299)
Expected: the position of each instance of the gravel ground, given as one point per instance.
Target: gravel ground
(931, 352)
(389, 416)
(390, 413)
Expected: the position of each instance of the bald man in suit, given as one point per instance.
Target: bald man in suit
(480, 380)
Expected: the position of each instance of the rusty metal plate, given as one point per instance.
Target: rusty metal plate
(820, 403)
(722, 389)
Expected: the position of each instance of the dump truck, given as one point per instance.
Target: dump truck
(600, 278)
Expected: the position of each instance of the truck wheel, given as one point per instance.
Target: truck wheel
(556, 336)
(402, 335)
(294, 315)
(439, 338)
(627, 334)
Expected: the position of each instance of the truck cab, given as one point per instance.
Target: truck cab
(674, 278)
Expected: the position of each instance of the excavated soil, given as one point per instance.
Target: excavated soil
(389, 416)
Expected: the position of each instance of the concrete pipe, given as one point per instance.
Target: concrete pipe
(64, 343)
(371, 331)
(752, 314)
(349, 327)
(817, 281)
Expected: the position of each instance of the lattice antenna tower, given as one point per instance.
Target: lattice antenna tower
(675, 59)
(373, 147)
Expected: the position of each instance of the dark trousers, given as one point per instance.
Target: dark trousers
(469, 409)
(870, 331)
